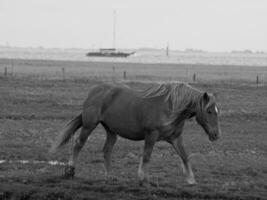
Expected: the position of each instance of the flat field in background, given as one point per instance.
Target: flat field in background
(204, 73)
(37, 100)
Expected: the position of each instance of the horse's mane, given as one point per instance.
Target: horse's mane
(182, 98)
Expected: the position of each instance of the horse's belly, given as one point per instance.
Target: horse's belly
(123, 117)
(125, 128)
(127, 132)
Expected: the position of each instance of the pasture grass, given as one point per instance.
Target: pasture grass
(34, 109)
(48, 69)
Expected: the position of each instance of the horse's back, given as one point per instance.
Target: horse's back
(109, 97)
(99, 93)
(115, 106)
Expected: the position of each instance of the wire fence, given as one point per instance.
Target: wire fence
(135, 72)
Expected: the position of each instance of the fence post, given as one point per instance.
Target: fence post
(257, 80)
(63, 73)
(5, 73)
(194, 77)
(113, 73)
(124, 75)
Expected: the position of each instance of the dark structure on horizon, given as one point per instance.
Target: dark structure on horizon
(111, 52)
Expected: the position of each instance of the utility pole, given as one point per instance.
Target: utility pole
(167, 50)
(114, 29)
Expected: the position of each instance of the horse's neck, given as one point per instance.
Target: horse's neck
(186, 112)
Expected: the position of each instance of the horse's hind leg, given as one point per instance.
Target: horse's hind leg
(150, 141)
(177, 143)
(107, 150)
(79, 142)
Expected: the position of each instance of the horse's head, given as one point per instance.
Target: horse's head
(207, 116)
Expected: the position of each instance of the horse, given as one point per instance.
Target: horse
(157, 113)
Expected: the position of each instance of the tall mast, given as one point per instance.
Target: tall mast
(114, 29)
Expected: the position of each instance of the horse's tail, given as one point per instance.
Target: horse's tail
(66, 134)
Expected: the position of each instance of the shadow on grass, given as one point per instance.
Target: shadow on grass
(57, 187)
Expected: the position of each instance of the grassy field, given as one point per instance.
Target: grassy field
(36, 103)
(45, 69)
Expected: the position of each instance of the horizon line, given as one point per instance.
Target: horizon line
(196, 50)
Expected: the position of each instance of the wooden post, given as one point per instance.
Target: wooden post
(194, 77)
(12, 68)
(124, 75)
(63, 73)
(5, 73)
(113, 73)
(257, 80)
(167, 50)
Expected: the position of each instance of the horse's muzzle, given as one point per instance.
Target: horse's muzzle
(214, 137)
(214, 134)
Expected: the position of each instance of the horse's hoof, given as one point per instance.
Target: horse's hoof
(144, 182)
(69, 172)
(191, 181)
(140, 183)
(110, 178)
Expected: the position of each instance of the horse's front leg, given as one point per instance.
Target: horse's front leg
(150, 141)
(178, 145)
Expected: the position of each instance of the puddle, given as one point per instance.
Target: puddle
(51, 162)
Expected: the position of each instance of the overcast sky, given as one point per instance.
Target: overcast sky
(212, 25)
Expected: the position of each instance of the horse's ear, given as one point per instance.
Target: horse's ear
(215, 94)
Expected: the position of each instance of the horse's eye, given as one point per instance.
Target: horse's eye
(209, 112)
